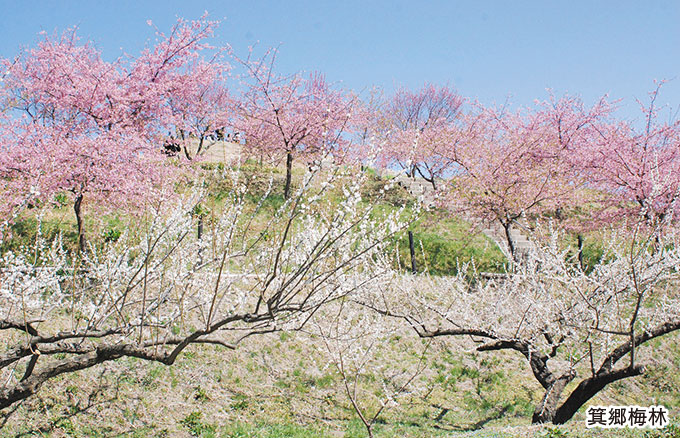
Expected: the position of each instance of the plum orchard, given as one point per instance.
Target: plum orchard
(71, 122)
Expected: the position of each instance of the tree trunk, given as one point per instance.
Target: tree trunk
(200, 145)
(587, 390)
(545, 412)
(82, 241)
(184, 145)
(511, 242)
(289, 173)
(430, 179)
(549, 411)
(186, 152)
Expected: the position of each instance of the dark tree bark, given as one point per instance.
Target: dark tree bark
(545, 411)
(77, 208)
(86, 354)
(507, 227)
(431, 179)
(553, 408)
(199, 228)
(289, 174)
(199, 235)
(413, 252)
(201, 139)
(587, 389)
(184, 145)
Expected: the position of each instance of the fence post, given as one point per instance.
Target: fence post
(200, 235)
(413, 251)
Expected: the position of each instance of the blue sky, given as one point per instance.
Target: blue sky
(490, 50)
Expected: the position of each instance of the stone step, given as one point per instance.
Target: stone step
(419, 187)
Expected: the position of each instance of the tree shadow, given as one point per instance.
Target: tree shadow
(475, 426)
(104, 393)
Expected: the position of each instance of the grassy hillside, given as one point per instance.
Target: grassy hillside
(280, 385)
(276, 386)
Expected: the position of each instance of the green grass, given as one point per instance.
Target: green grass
(271, 430)
(443, 243)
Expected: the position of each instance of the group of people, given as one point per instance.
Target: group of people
(172, 144)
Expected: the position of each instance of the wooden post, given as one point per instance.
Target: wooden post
(413, 251)
(579, 237)
(200, 235)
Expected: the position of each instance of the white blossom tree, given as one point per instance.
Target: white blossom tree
(569, 324)
(360, 346)
(161, 288)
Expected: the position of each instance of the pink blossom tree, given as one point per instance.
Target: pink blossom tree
(513, 164)
(89, 127)
(418, 128)
(637, 169)
(202, 107)
(284, 117)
